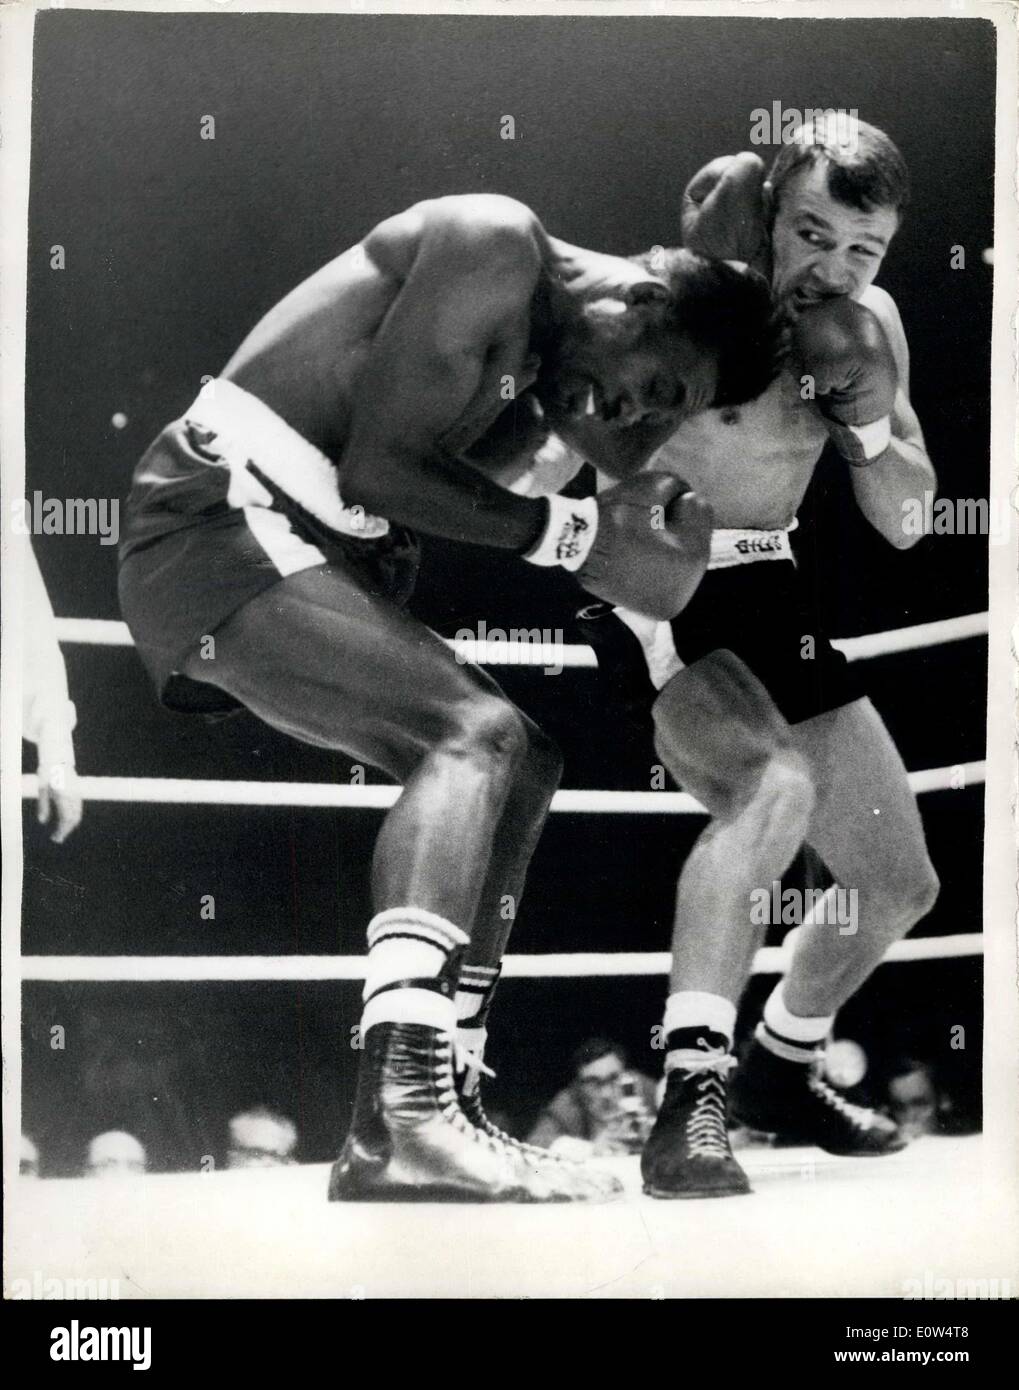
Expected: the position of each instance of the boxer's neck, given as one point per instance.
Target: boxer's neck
(576, 276)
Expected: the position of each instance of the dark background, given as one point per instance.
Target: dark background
(176, 245)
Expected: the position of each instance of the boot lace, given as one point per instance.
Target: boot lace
(465, 1060)
(707, 1135)
(857, 1115)
(453, 1053)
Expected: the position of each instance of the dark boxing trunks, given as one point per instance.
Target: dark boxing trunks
(755, 602)
(227, 501)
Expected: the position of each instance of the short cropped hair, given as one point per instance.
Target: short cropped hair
(727, 310)
(865, 169)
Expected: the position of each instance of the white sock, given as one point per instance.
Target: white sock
(790, 1035)
(408, 943)
(694, 1008)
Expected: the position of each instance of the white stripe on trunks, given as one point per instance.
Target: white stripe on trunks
(247, 431)
(284, 547)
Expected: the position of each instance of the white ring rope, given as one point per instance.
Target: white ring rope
(587, 964)
(770, 960)
(192, 792)
(209, 791)
(102, 632)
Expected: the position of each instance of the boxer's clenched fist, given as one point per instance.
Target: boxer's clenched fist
(841, 345)
(643, 544)
(652, 545)
(723, 210)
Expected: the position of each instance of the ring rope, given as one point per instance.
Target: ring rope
(209, 791)
(102, 632)
(769, 960)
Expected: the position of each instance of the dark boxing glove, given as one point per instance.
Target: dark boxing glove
(842, 346)
(643, 544)
(723, 212)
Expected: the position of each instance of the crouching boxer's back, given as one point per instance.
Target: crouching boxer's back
(270, 550)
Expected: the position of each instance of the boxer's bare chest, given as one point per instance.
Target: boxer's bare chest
(753, 462)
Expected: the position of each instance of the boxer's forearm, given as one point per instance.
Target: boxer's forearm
(44, 687)
(885, 488)
(441, 497)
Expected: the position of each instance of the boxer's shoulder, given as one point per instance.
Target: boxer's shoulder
(482, 214)
(461, 227)
(883, 307)
(886, 311)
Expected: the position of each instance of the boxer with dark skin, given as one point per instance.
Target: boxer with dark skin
(269, 555)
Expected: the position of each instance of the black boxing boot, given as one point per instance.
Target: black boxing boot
(687, 1154)
(789, 1099)
(409, 1139)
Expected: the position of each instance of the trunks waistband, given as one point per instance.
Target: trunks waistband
(254, 441)
(745, 546)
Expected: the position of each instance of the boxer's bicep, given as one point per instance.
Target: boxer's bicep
(905, 422)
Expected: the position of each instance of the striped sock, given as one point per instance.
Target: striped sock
(473, 1000)
(412, 945)
(789, 1036)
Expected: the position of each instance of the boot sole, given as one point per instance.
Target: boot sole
(454, 1194)
(665, 1195)
(777, 1140)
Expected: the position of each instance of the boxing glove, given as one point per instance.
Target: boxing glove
(842, 348)
(643, 544)
(723, 213)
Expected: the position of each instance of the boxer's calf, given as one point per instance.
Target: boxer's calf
(722, 738)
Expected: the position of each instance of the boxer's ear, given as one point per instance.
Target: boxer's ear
(646, 292)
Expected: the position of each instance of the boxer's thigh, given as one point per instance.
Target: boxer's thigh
(322, 659)
(716, 729)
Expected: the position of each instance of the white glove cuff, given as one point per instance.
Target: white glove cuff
(866, 442)
(569, 533)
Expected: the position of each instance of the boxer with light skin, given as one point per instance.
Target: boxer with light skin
(268, 559)
(780, 749)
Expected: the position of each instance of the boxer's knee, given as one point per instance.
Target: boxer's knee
(784, 796)
(904, 895)
(927, 891)
(490, 732)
